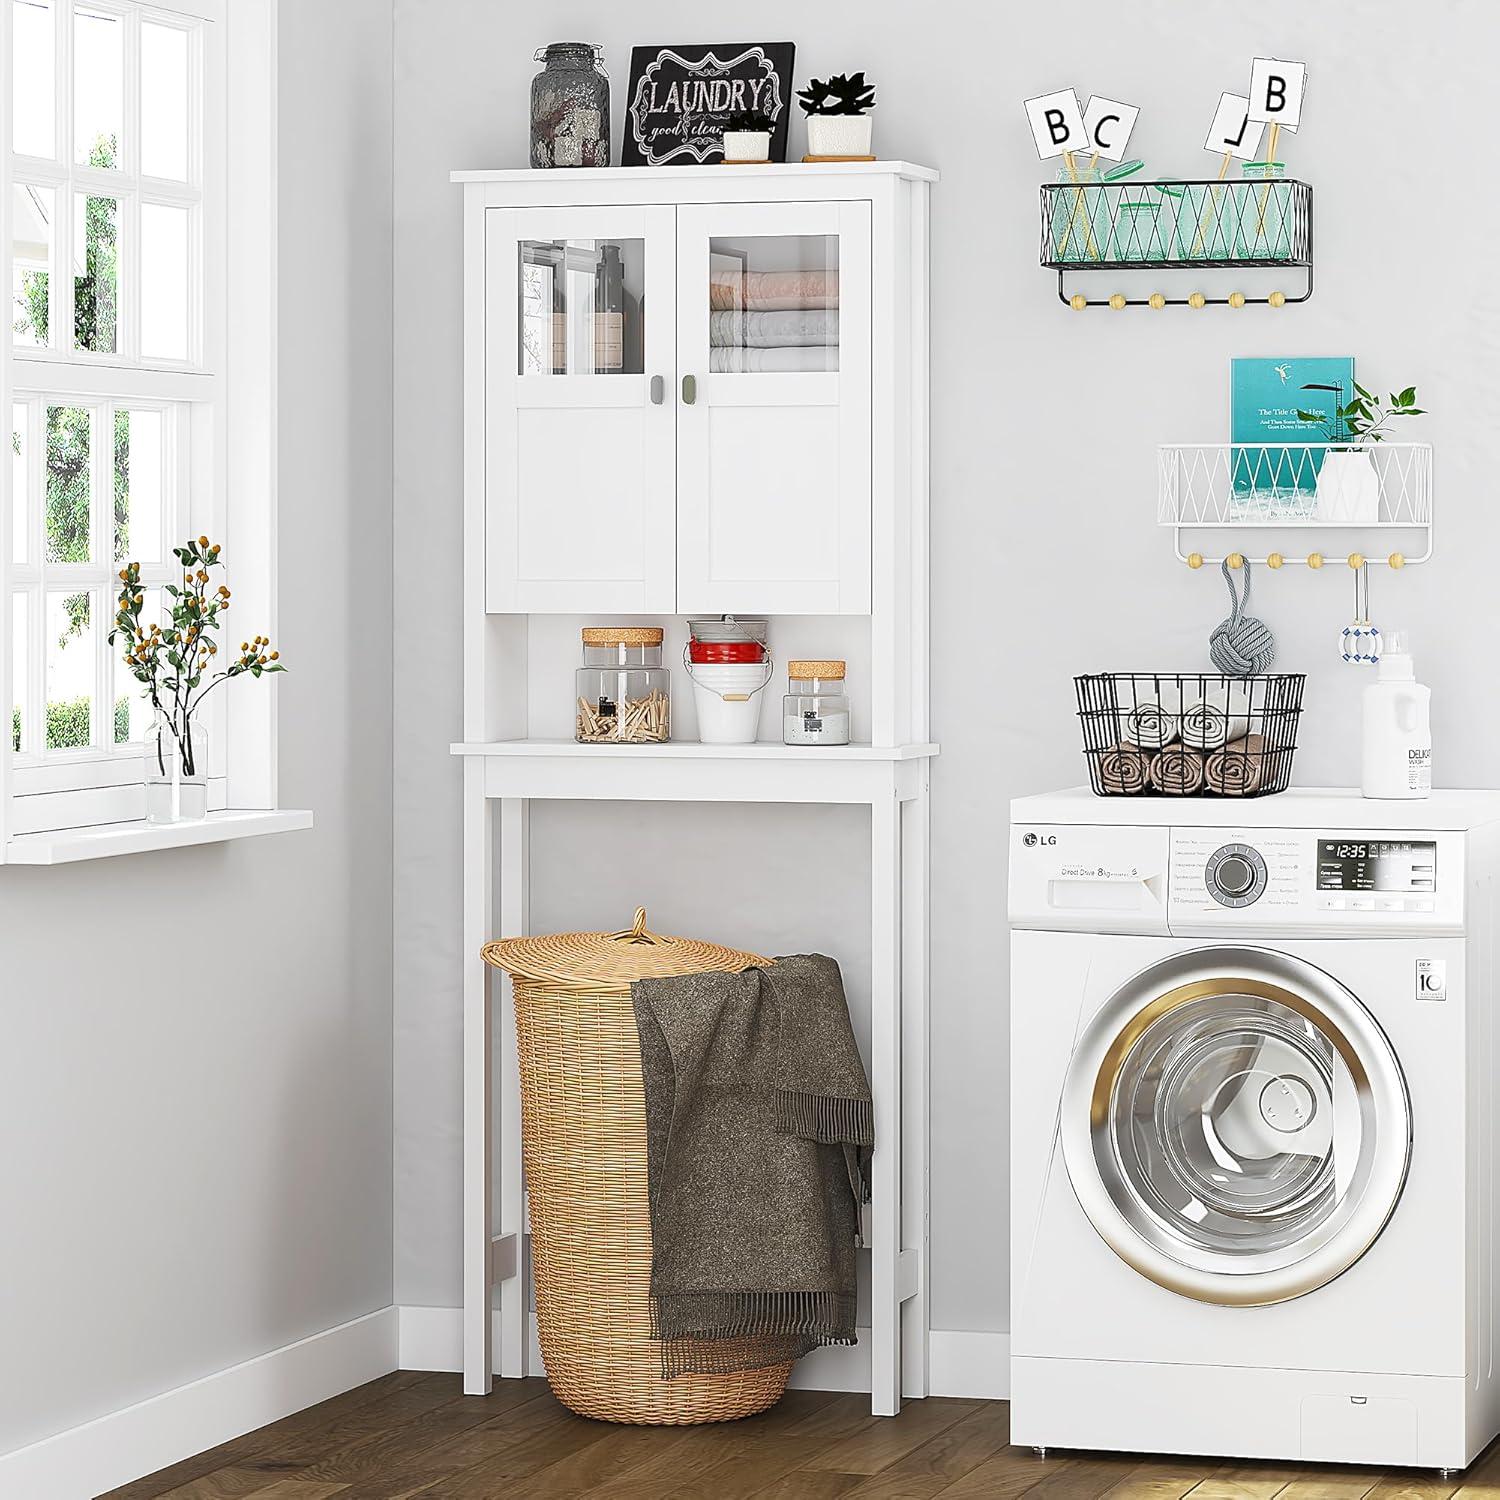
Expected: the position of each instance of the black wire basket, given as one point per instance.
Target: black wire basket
(1189, 734)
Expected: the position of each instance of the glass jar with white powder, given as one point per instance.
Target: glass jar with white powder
(815, 710)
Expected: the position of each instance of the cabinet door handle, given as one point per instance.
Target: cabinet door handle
(658, 390)
(689, 389)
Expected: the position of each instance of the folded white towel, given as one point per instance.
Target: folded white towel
(773, 361)
(773, 330)
(1149, 725)
(772, 291)
(1221, 715)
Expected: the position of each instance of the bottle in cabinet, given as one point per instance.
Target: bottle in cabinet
(609, 312)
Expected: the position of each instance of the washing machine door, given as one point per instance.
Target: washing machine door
(1236, 1126)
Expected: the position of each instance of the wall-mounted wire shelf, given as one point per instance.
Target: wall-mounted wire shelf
(1307, 487)
(1179, 225)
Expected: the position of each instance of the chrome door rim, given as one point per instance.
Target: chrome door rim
(1129, 1226)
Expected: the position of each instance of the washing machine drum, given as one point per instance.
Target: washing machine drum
(1236, 1126)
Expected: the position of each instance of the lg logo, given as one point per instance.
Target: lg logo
(1031, 840)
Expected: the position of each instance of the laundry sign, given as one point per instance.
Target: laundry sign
(681, 99)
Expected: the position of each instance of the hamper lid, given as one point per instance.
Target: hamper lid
(590, 960)
(622, 635)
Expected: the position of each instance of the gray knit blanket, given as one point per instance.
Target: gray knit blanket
(759, 1128)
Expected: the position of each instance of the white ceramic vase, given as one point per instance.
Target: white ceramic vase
(1348, 488)
(839, 135)
(747, 145)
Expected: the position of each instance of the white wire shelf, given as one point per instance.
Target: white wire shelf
(1297, 488)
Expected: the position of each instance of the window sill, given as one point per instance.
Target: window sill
(106, 839)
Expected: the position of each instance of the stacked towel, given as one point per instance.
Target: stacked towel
(1236, 770)
(1150, 726)
(772, 291)
(1177, 771)
(765, 322)
(1125, 770)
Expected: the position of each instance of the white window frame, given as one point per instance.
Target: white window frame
(226, 428)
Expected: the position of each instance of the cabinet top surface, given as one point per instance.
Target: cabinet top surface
(560, 176)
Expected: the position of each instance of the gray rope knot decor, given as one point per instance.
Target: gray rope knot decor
(1241, 645)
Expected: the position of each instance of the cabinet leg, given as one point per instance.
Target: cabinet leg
(478, 863)
(513, 918)
(885, 1083)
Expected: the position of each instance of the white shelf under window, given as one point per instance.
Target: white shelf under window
(684, 771)
(69, 845)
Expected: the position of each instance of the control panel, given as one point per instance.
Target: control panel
(1313, 881)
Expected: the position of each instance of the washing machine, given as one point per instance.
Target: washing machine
(1254, 1142)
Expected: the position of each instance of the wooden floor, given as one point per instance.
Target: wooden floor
(414, 1434)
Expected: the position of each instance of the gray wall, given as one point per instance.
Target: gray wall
(196, 1112)
(1045, 558)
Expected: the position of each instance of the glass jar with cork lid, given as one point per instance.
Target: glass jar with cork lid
(815, 710)
(624, 694)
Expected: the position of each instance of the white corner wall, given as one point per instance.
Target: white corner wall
(1045, 557)
(195, 1076)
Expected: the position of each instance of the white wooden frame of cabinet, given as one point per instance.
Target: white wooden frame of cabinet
(504, 770)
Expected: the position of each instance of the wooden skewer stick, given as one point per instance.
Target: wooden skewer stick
(1088, 234)
(1265, 191)
(1212, 209)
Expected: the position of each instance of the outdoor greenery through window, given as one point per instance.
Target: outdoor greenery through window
(109, 374)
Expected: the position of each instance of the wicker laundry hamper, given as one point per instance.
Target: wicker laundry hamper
(583, 1146)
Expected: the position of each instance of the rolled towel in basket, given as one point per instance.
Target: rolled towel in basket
(1177, 771)
(1236, 770)
(1149, 725)
(1221, 715)
(1124, 769)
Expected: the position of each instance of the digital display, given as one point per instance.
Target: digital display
(1376, 865)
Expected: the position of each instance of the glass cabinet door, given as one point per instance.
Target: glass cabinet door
(579, 425)
(774, 361)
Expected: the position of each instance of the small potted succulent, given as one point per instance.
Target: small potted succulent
(1348, 487)
(838, 120)
(747, 135)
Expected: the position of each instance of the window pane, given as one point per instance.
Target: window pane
(164, 282)
(96, 274)
(164, 101)
(33, 211)
(773, 303)
(20, 663)
(132, 709)
(20, 488)
(98, 87)
(68, 484)
(70, 671)
(33, 113)
(582, 307)
(138, 486)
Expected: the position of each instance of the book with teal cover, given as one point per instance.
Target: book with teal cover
(1264, 398)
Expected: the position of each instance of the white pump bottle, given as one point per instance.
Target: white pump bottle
(1396, 741)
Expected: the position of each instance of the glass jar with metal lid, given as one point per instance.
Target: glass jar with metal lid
(624, 694)
(815, 710)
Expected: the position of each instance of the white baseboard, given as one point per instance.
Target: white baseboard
(974, 1365)
(114, 1449)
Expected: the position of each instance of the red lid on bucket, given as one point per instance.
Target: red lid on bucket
(719, 652)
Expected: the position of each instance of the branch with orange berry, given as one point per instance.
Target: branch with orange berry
(176, 661)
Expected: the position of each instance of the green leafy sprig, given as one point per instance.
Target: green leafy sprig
(176, 661)
(1365, 419)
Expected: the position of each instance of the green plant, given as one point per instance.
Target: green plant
(68, 723)
(839, 95)
(749, 119)
(1364, 419)
(176, 665)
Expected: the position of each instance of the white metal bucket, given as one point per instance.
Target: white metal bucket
(727, 697)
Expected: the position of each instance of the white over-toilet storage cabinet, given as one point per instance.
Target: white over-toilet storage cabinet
(656, 462)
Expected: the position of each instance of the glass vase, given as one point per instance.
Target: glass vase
(176, 772)
(570, 107)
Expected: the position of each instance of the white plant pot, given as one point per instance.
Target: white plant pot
(747, 145)
(839, 135)
(1348, 488)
